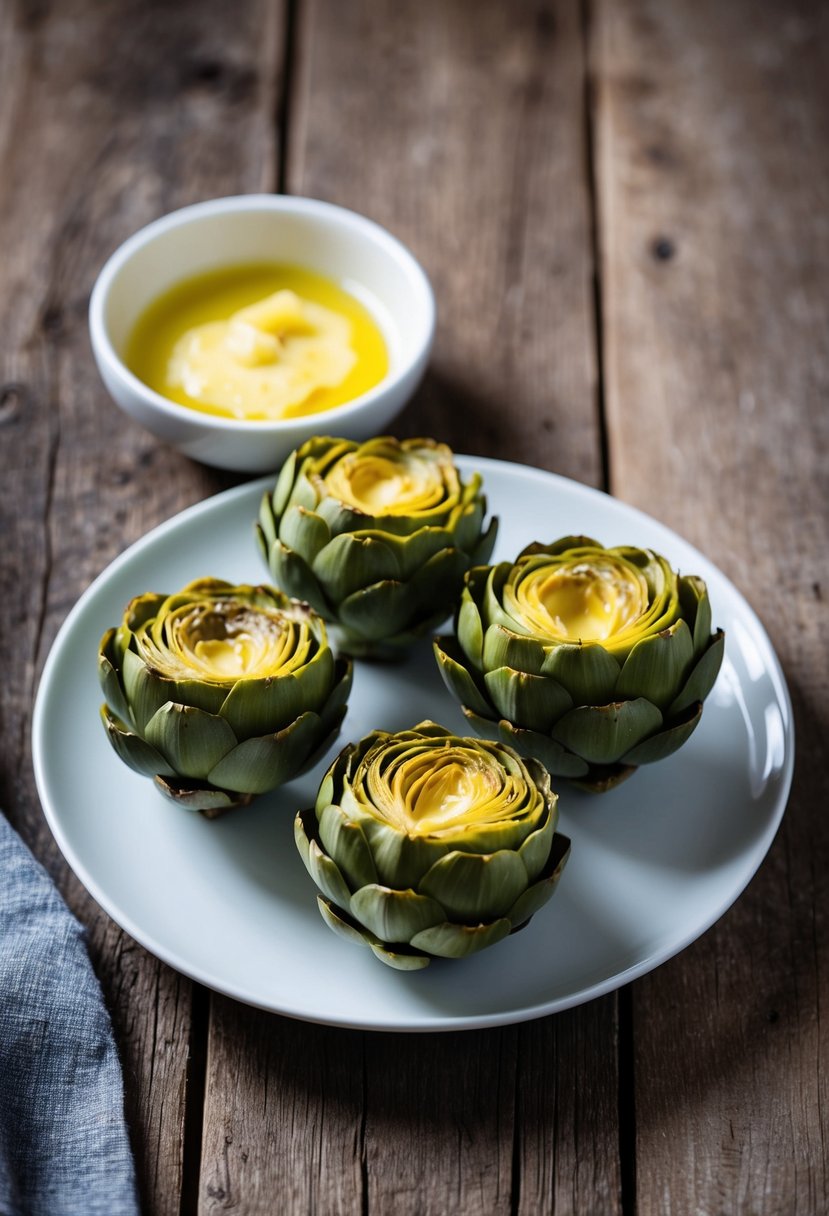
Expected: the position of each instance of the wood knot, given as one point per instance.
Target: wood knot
(12, 397)
(663, 248)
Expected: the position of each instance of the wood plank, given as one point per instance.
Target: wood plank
(465, 136)
(109, 116)
(713, 170)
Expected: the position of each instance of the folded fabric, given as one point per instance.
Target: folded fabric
(64, 1149)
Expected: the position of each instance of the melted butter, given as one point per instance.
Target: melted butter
(258, 342)
(589, 601)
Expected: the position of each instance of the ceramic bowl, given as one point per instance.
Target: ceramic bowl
(348, 248)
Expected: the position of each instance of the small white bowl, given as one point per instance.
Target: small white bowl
(348, 248)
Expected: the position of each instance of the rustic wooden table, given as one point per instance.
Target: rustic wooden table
(624, 209)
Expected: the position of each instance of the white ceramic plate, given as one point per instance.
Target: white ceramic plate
(653, 864)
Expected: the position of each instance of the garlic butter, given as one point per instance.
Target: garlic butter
(258, 343)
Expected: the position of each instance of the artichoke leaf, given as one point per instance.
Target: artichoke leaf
(344, 842)
(378, 612)
(588, 672)
(531, 702)
(556, 759)
(392, 915)
(657, 667)
(109, 680)
(192, 740)
(352, 561)
(304, 531)
(665, 742)
(258, 765)
(293, 574)
(458, 941)
(602, 734)
(456, 677)
(398, 959)
(475, 887)
(535, 850)
(199, 796)
(702, 678)
(503, 648)
(263, 706)
(536, 895)
(327, 875)
(139, 755)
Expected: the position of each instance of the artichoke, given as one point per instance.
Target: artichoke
(220, 692)
(375, 536)
(428, 845)
(592, 660)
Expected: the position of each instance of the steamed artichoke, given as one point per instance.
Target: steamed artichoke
(592, 660)
(220, 692)
(425, 844)
(375, 536)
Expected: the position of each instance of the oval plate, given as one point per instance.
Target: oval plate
(654, 863)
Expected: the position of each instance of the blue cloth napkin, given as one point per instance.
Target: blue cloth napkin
(64, 1149)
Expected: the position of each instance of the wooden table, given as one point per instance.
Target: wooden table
(624, 209)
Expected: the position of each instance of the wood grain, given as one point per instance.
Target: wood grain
(713, 172)
(109, 116)
(466, 138)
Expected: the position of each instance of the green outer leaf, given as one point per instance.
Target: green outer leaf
(470, 628)
(667, 741)
(503, 648)
(109, 679)
(394, 916)
(535, 851)
(602, 734)
(333, 711)
(192, 795)
(537, 895)
(473, 887)
(304, 532)
(533, 702)
(132, 749)
(266, 524)
(378, 612)
(702, 678)
(284, 484)
(554, 756)
(458, 941)
(332, 917)
(295, 577)
(696, 608)
(401, 860)
(147, 690)
(351, 562)
(263, 706)
(657, 667)
(261, 764)
(588, 672)
(344, 842)
(192, 741)
(399, 960)
(483, 550)
(326, 874)
(457, 679)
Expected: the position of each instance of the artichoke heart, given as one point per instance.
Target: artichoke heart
(424, 844)
(220, 692)
(592, 660)
(375, 536)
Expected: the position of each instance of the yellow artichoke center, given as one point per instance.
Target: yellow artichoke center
(379, 485)
(443, 789)
(222, 641)
(584, 601)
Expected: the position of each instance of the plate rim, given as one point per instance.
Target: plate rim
(432, 1023)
